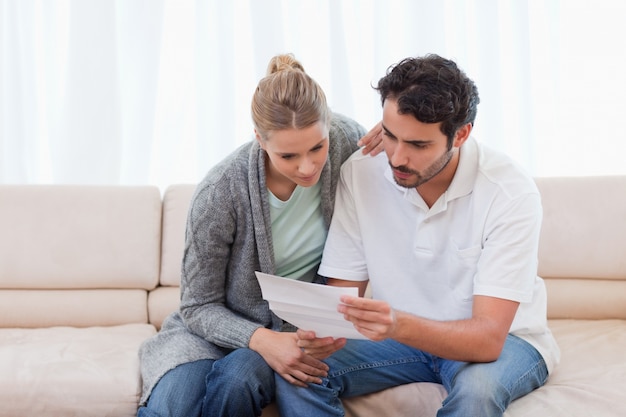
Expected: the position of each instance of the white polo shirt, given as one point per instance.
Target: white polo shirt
(479, 238)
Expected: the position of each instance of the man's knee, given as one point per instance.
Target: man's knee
(476, 392)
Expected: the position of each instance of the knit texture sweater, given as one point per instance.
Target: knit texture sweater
(228, 237)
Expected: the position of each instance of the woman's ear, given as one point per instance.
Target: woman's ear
(259, 139)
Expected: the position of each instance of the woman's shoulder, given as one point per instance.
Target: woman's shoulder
(232, 166)
(343, 127)
(344, 133)
(228, 175)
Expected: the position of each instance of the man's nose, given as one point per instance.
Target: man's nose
(397, 155)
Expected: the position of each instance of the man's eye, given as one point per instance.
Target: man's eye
(287, 156)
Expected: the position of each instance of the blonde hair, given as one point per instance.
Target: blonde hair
(287, 98)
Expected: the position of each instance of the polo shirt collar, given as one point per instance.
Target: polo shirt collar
(465, 176)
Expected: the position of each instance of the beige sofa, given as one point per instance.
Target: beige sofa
(88, 272)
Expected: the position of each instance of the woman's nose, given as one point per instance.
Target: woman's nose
(307, 167)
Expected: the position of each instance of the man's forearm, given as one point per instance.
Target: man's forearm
(361, 285)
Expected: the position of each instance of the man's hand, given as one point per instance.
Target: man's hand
(282, 353)
(373, 141)
(374, 319)
(319, 348)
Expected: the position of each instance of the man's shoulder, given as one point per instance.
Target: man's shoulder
(502, 171)
(359, 159)
(366, 163)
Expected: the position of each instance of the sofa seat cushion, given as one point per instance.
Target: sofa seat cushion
(590, 379)
(67, 371)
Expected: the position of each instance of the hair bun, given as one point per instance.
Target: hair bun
(284, 62)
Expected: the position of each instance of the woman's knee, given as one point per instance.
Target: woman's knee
(243, 369)
(180, 392)
(240, 384)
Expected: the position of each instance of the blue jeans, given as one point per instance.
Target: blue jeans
(240, 384)
(362, 367)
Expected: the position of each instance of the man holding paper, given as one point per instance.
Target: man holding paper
(446, 233)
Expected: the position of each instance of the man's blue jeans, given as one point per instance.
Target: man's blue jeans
(240, 384)
(362, 367)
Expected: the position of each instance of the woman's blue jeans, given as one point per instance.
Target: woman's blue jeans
(362, 367)
(240, 384)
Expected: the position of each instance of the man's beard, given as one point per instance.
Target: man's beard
(427, 174)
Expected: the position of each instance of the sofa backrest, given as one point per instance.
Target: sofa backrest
(77, 255)
(176, 201)
(166, 298)
(582, 252)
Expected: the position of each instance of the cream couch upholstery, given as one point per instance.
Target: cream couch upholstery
(88, 272)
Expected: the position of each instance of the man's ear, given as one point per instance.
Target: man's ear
(461, 135)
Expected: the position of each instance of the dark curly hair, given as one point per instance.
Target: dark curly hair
(433, 89)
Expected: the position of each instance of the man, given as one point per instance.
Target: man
(446, 233)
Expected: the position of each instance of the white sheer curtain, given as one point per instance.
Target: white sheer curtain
(158, 91)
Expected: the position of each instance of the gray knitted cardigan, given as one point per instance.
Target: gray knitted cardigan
(228, 237)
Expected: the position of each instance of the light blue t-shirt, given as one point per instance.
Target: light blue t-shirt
(298, 233)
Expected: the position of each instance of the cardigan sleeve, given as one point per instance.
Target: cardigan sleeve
(211, 304)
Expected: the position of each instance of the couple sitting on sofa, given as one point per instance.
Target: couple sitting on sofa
(443, 230)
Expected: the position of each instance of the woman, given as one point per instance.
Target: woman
(266, 207)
